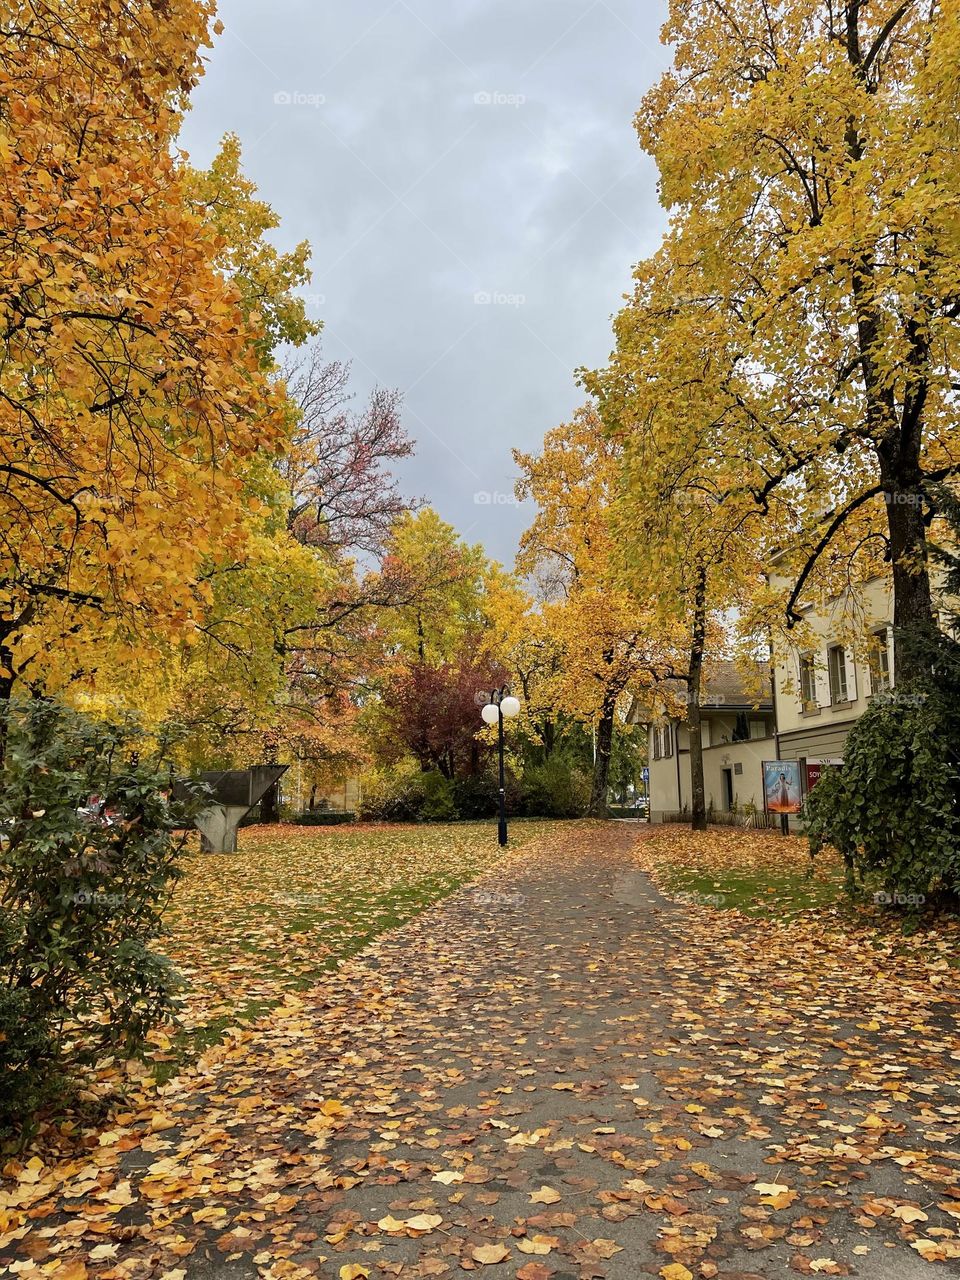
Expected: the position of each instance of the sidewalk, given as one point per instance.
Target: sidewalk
(556, 1072)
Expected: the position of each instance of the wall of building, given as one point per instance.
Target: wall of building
(667, 798)
(748, 784)
(342, 796)
(833, 623)
(664, 791)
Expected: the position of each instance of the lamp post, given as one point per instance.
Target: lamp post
(499, 706)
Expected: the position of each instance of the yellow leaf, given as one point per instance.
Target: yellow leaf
(490, 1253)
(424, 1221)
(909, 1213)
(546, 1195)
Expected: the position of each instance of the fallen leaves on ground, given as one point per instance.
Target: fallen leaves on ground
(740, 1097)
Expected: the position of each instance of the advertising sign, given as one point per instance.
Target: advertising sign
(815, 770)
(782, 791)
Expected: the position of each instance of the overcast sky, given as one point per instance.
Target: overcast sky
(468, 176)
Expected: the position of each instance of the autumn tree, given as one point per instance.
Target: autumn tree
(521, 638)
(431, 640)
(806, 150)
(132, 398)
(343, 494)
(688, 529)
(604, 631)
(431, 710)
(438, 585)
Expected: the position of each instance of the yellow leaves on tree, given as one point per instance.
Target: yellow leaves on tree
(131, 400)
(604, 632)
(808, 156)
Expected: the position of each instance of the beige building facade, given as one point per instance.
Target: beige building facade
(825, 680)
(737, 733)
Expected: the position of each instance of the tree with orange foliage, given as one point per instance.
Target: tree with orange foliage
(132, 398)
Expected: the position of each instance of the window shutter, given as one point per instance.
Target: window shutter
(892, 673)
(851, 666)
(822, 683)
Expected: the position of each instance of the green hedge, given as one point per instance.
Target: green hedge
(554, 790)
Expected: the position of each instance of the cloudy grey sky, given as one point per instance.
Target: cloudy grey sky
(468, 176)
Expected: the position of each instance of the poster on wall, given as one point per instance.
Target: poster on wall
(781, 786)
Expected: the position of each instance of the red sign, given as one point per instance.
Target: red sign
(814, 773)
(815, 770)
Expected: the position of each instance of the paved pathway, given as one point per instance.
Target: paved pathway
(560, 1068)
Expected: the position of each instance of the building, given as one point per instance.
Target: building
(824, 682)
(738, 734)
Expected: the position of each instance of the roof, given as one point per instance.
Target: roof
(725, 687)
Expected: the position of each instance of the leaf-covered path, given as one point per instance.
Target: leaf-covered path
(555, 1072)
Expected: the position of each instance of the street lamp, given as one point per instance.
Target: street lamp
(499, 706)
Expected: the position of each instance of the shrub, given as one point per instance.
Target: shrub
(393, 798)
(87, 859)
(476, 796)
(438, 802)
(893, 807)
(554, 790)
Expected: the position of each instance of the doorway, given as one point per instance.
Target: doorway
(727, 783)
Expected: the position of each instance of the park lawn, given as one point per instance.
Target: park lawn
(760, 873)
(244, 929)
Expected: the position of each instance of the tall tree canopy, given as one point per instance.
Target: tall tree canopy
(132, 399)
(807, 150)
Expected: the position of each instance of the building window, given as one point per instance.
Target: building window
(655, 741)
(880, 661)
(758, 728)
(808, 682)
(667, 741)
(837, 673)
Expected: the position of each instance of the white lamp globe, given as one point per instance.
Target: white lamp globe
(510, 706)
(490, 713)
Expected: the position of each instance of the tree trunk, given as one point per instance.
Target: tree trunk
(601, 765)
(698, 804)
(6, 693)
(912, 599)
(895, 432)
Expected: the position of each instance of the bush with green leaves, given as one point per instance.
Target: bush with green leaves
(554, 790)
(893, 807)
(88, 857)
